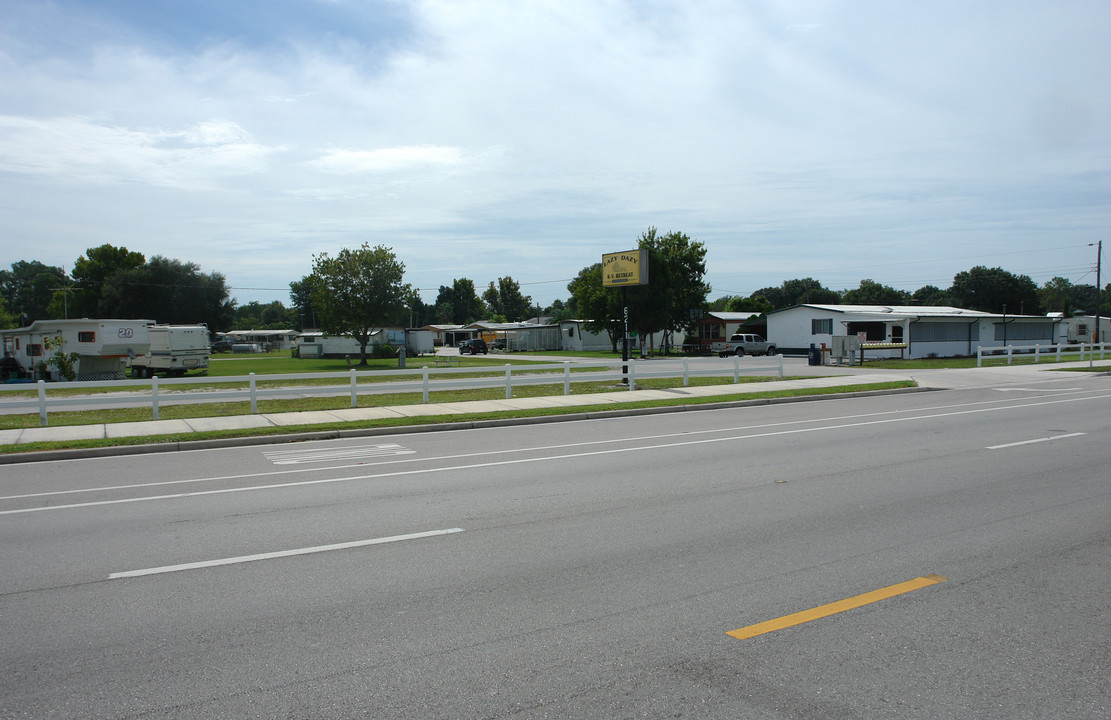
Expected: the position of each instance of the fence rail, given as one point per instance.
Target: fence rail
(1040, 351)
(425, 380)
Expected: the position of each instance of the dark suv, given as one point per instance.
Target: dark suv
(473, 347)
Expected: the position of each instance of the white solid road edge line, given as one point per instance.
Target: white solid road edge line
(281, 554)
(1036, 440)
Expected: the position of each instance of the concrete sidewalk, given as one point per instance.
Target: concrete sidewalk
(153, 428)
(943, 379)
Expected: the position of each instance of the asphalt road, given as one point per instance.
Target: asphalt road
(581, 570)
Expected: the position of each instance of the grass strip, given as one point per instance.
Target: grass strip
(144, 413)
(740, 395)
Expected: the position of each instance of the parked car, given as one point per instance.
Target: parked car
(473, 347)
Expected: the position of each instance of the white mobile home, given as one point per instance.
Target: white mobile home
(267, 340)
(103, 347)
(1080, 329)
(924, 331)
(576, 338)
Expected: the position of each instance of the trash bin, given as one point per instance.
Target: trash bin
(815, 355)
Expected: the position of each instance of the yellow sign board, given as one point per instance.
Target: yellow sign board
(625, 268)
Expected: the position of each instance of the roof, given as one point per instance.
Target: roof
(910, 311)
(50, 325)
(730, 316)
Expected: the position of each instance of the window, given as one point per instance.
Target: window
(709, 331)
(86, 336)
(939, 332)
(1024, 331)
(821, 327)
(34, 350)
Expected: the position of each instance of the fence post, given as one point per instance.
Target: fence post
(424, 379)
(42, 402)
(780, 366)
(1037, 353)
(980, 357)
(686, 372)
(154, 396)
(632, 374)
(1010, 349)
(354, 391)
(736, 368)
(566, 377)
(508, 381)
(254, 397)
(1058, 352)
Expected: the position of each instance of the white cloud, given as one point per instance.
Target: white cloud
(491, 138)
(78, 149)
(384, 159)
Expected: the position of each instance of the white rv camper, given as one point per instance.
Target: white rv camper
(174, 350)
(103, 347)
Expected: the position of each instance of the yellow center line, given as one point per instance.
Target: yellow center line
(836, 607)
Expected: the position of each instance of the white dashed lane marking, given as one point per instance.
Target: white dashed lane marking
(296, 456)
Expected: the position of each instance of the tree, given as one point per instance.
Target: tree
(169, 291)
(799, 292)
(93, 272)
(560, 311)
(358, 291)
(600, 307)
(300, 295)
(1083, 299)
(676, 271)
(258, 316)
(722, 303)
(931, 296)
(7, 319)
(28, 289)
(990, 289)
(420, 314)
(676, 267)
(755, 304)
(507, 301)
(465, 304)
(871, 292)
(1056, 296)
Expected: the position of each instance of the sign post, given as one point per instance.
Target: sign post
(622, 269)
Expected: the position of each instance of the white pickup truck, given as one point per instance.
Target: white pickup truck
(744, 345)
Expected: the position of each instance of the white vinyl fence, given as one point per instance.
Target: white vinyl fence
(425, 380)
(1042, 351)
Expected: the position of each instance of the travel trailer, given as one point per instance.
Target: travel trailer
(174, 350)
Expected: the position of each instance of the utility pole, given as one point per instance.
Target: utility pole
(65, 290)
(1099, 298)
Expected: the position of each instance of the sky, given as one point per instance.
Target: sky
(898, 141)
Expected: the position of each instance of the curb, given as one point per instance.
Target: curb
(249, 440)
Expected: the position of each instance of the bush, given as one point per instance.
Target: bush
(383, 352)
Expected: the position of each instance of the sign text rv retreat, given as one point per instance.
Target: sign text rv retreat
(625, 268)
